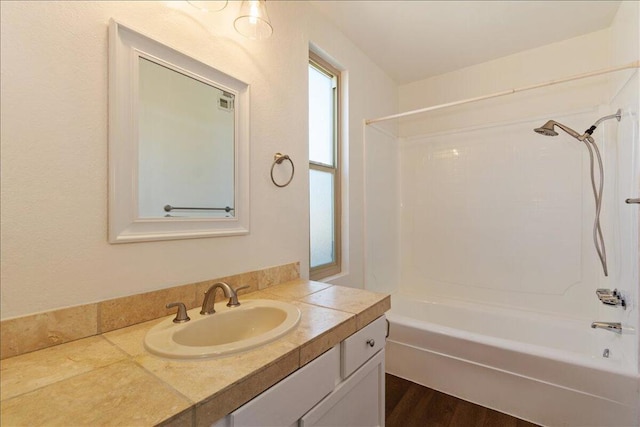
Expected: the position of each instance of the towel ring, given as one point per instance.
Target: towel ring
(278, 158)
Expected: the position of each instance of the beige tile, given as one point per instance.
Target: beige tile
(315, 347)
(279, 274)
(122, 312)
(201, 379)
(131, 339)
(320, 328)
(315, 321)
(264, 295)
(297, 289)
(232, 398)
(372, 313)
(290, 272)
(44, 330)
(29, 333)
(183, 419)
(345, 299)
(118, 394)
(329, 315)
(30, 371)
(245, 279)
(324, 342)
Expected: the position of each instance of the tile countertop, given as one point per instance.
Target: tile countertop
(110, 379)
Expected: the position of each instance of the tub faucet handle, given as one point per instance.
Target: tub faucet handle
(609, 297)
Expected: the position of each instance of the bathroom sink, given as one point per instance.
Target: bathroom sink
(228, 330)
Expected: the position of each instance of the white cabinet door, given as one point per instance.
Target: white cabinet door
(284, 403)
(357, 401)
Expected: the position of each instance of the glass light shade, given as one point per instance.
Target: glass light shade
(209, 6)
(253, 20)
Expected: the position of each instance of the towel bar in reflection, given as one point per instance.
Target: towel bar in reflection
(169, 208)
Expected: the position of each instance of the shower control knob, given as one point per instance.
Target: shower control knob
(371, 342)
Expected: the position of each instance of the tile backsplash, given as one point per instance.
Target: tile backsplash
(37, 331)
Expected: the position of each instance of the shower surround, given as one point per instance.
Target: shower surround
(482, 230)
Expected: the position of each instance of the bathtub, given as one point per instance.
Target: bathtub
(545, 370)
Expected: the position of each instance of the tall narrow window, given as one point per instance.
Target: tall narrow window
(324, 168)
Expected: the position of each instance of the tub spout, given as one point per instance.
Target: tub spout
(611, 326)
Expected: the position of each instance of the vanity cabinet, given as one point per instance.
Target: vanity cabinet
(342, 387)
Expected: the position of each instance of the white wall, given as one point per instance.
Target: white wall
(566, 58)
(506, 195)
(625, 47)
(372, 96)
(54, 148)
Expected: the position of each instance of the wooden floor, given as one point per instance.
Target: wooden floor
(409, 404)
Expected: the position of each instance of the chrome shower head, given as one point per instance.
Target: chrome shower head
(547, 129)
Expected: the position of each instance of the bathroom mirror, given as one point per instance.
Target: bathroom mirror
(178, 144)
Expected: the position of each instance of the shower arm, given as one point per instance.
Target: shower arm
(589, 132)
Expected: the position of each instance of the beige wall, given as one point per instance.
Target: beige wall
(54, 148)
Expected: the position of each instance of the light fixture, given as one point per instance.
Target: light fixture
(209, 6)
(253, 20)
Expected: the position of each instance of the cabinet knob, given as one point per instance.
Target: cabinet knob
(371, 342)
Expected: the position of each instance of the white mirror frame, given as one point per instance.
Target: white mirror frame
(125, 47)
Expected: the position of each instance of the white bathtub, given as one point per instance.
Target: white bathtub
(546, 370)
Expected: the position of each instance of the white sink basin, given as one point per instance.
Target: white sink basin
(228, 330)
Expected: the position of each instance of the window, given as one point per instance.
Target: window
(324, 168)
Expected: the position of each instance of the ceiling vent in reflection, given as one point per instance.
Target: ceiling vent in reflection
(225, 102)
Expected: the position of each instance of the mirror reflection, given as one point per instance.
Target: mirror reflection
(185, 145)
(178, 144)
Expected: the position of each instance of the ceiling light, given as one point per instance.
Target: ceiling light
(253, 20)
(209, 6)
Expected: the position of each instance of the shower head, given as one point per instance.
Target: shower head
(547, 129)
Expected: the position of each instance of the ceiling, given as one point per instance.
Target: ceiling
(412, 39)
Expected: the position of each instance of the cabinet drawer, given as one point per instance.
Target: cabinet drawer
(362, 345)
(284, 403)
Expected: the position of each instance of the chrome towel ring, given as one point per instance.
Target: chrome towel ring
(278, 158)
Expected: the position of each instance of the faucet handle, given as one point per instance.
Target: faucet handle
(181, 316)
(609, 297)
(233, 301)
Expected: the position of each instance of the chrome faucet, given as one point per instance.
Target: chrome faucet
(610, 326)
(210, 297)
